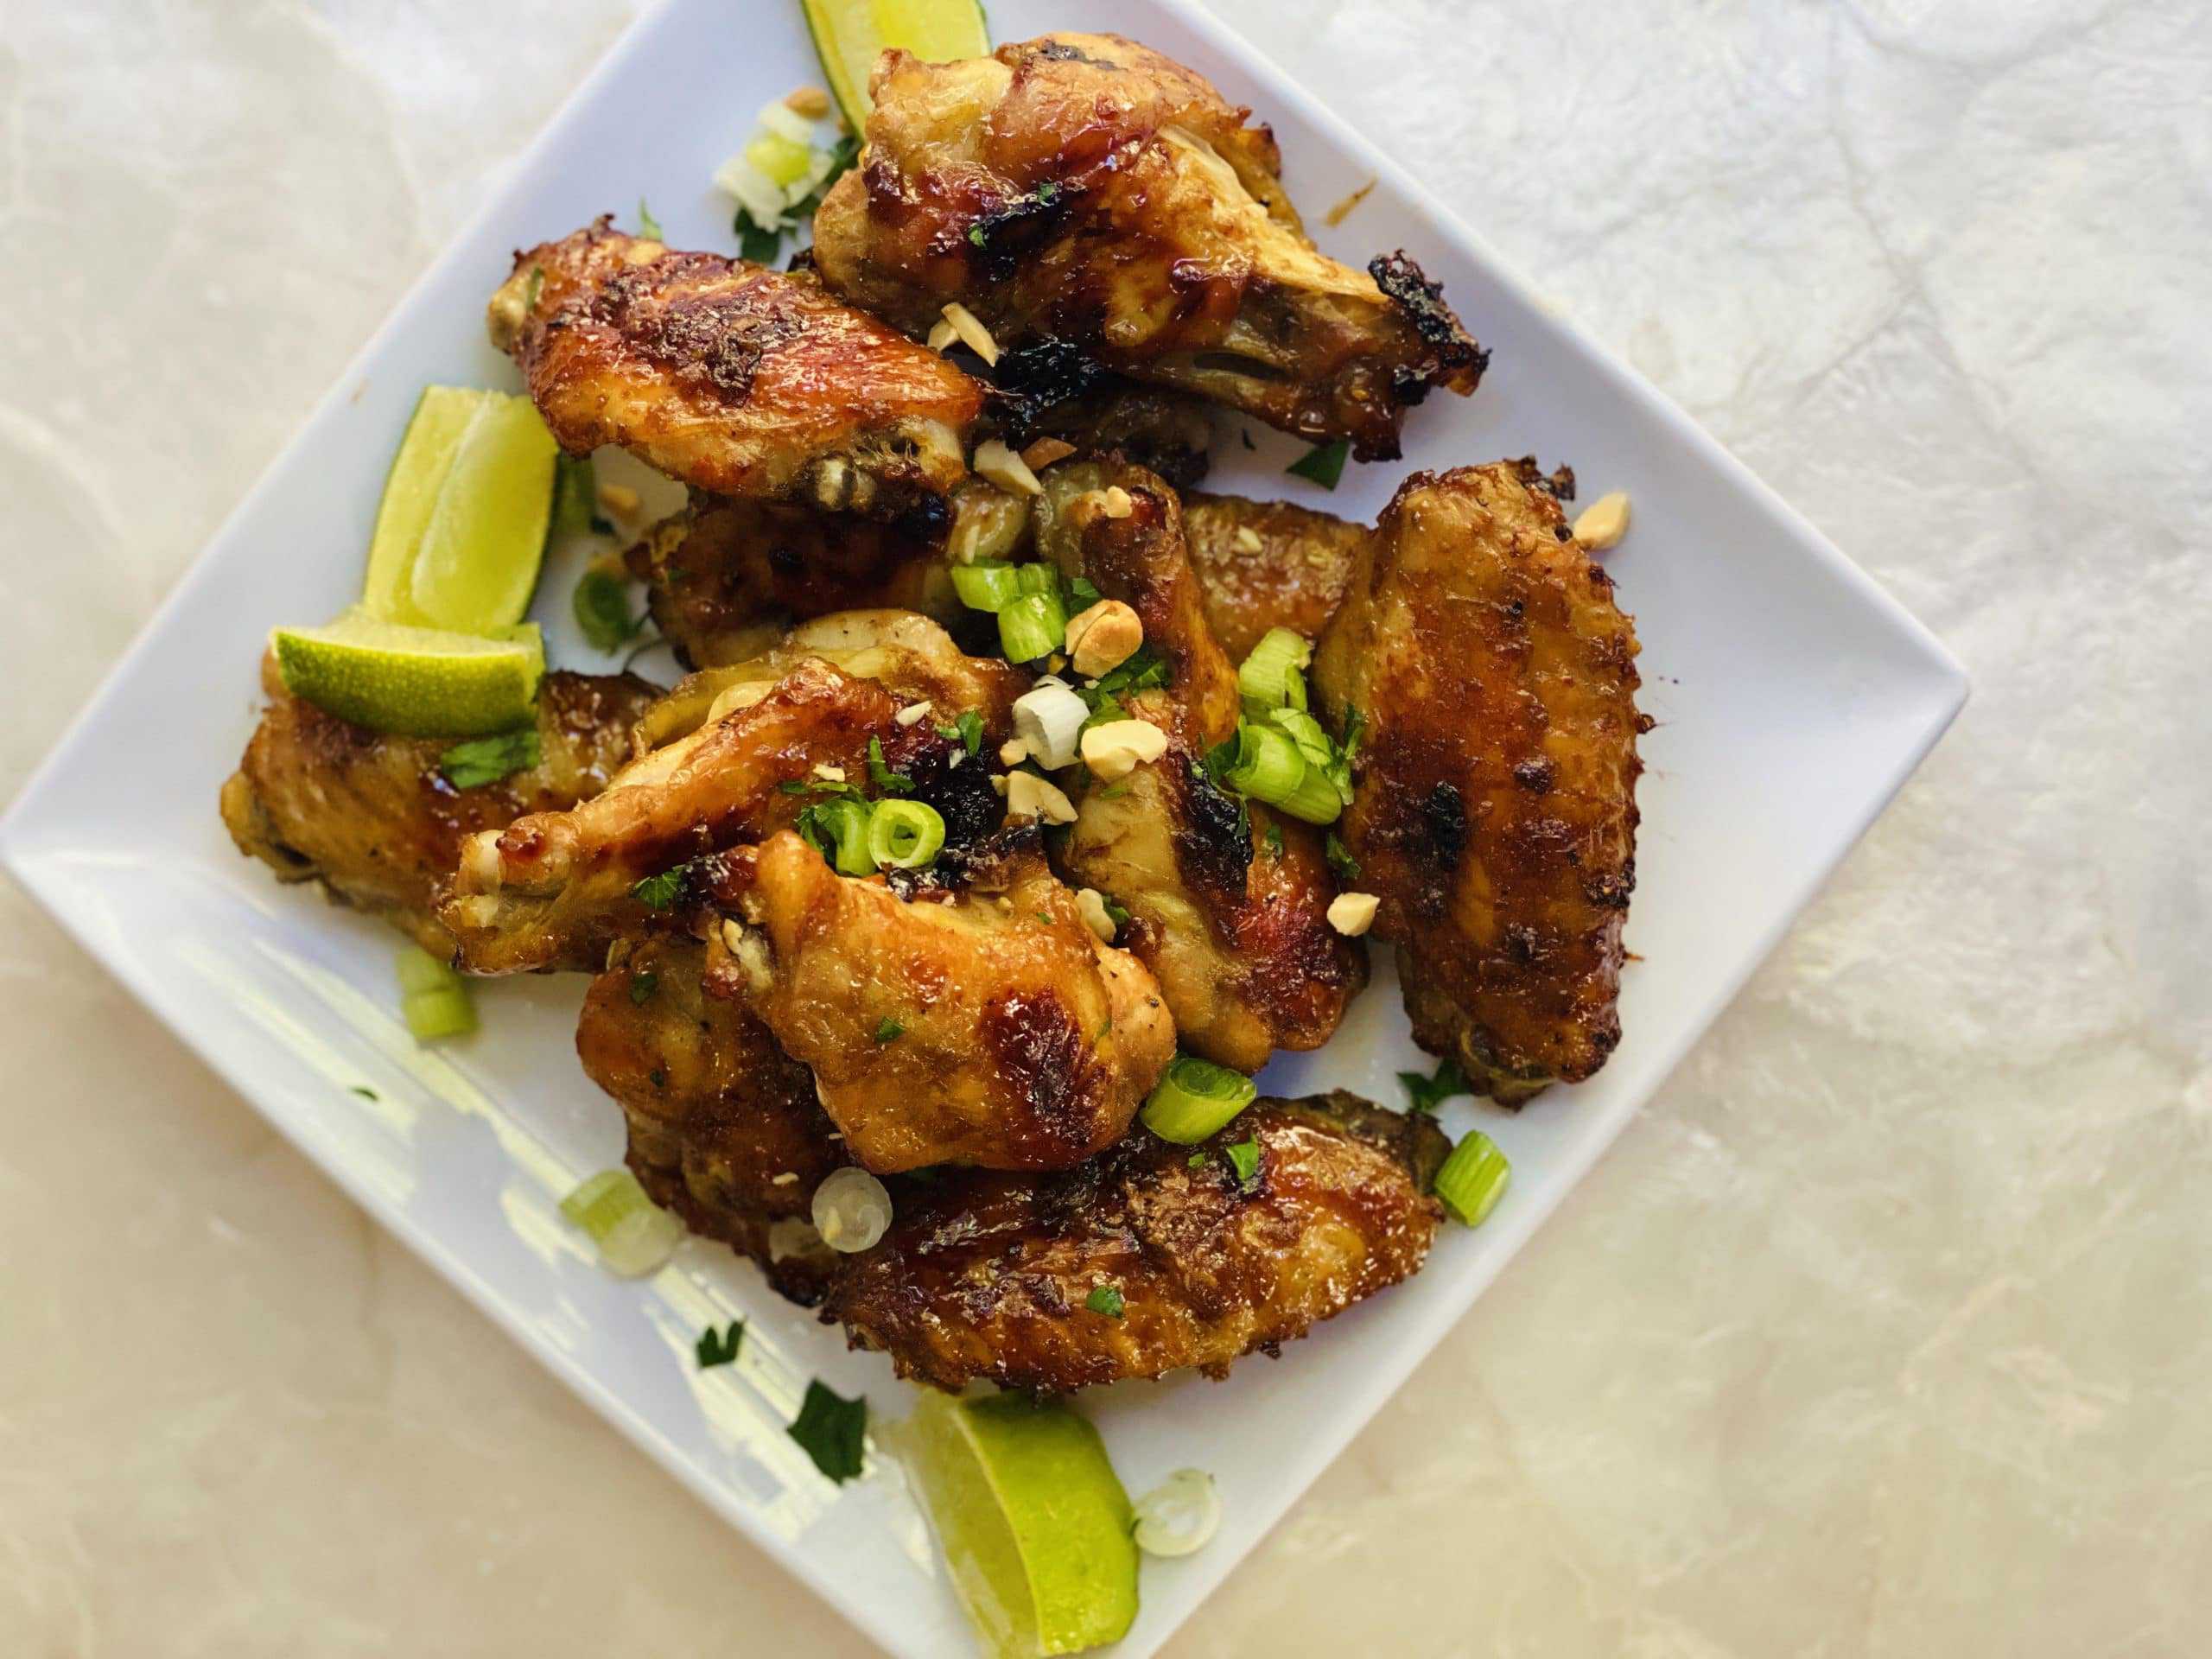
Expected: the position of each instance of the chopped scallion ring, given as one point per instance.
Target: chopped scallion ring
(1196, 1098)
(633, 1234)
(1473, 1179)
(1270, 677)
(1032, 626)
(1179, 1516)
(904, 835)
(433, 998)
(986, 585)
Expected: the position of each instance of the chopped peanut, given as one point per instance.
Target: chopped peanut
(942, 335)
(1352, 913)
(1043, 453)
(810, 101)
(1248, 540)
(973, 334)
(1013, 751)
(1090, 905)
(1118, 503)
(1103, 638)
(913, 715)
(1115, 748)
(619, 499)
(1603, 522)
(1029, 796)
(828, 773)
(1006, 469)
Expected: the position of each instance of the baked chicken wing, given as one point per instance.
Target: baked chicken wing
(1082, 189)
(990, 1275)
(1227, 908)
(1494, 787)
(374, 817)
(724, 1127)
(1268, 564)
(732, 757)
(983, 1025)
(732, 378)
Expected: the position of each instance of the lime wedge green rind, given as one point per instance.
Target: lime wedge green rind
(460, 532)
(1034, 1523)
(850, 34)
(414, 682)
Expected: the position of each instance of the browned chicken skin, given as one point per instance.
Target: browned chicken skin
(554, 889)
(724, 1127)
(1268, 564)
(374, 818)
(1083, 189)
(1229, 910)
(1494, 804)
(986, 1275)
(732, 378)
(982, 1026)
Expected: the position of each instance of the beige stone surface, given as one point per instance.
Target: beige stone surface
(1883, 1334)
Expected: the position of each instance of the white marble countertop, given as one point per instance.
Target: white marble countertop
(1881, 1334)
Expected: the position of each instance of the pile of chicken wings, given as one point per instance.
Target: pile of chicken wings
(1120, 234)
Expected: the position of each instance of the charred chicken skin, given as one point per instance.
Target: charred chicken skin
(983, 1024)
(733, 378)
(375, 819)
(987, 1275)
(1083, 189)
(724, 1126)
(1494, 787)
(1232, 919)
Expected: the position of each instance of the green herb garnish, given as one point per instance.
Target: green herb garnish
(1428, 1093)
(890, 782)
(484, 760)
(1105, 1298)
(968, 731)
(1344, 867)
(641, 987)
(647, 225)
(1244, 1157)
(601, 604)
(364, 1093)
(1324, 465)
(1275, 839)
(720, 1348)
(659, 892)
(833, 1431)
(888, 1030)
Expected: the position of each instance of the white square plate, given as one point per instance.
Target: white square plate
(1793, 697)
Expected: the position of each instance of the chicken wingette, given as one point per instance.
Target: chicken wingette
(1491, 681)
(1082, 190)
(989, 1275)
(980, 1023)
(724, 1127)
(732, 758)
(377, 820)
(733, 378)
(1268, 564)
(1228, 903)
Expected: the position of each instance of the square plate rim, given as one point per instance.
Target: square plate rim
(1938, 681)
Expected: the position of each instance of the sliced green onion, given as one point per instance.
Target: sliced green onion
(575, 496)
(1196, 1098)
(986, 585)
(1038, 578)
(1473, 1179)
(633, 1234)
(1032, 626)
(846, 823)
(1270, 677)
(777, 158)
(1267, 764)
(433, 998)
(905, 834)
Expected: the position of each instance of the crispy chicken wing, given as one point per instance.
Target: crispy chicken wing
(375, 819)
(1080, 188)
(724, 1127)
(1228, 909)
(989, 1275)
(733, 378)
(1268, 564)
(983, 1026)
(1494, 805)
(730, 755)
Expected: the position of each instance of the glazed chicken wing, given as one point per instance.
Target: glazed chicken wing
(375, 819)
(724, 1127)
(1268, 564)
(731, 757)
(984, 1025)
(733, 378)
(989, 1275)
(1494, 804)
(1228, 908)
(1080, 188)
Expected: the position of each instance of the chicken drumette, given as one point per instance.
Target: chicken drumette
(1082, 190)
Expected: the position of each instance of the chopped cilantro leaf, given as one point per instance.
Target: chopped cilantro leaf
(754, 245)
(364, 1093)
(602, 608)
(1324, 465)
(1084, 592)
(1198, 1158)
(1275, 839)
(641, 987)
(1430, 1092)
(890, 782)
(975, 235)
(832, 1430)
(1244, 1157)
(1345, 867)
(484, 760)
(1105, 1298)
(888, 1030)
(967, 731)
(720, 1348)
(647, 225)
(1116, 912)
(659, 892)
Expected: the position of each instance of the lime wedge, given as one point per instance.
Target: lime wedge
(416, 682)
(1033, 1521)
(850, 34)
(461, 529)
